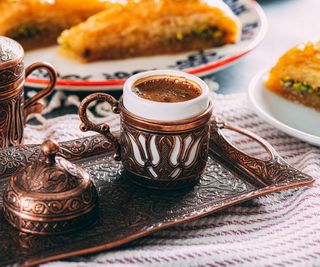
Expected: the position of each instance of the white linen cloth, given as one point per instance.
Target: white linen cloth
(281, 229)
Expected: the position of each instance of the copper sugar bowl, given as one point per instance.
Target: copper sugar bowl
(13, 108)
(50, 196)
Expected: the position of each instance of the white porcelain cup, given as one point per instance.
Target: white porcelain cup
(162, 111)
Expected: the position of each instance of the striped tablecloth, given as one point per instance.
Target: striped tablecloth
(282, 229)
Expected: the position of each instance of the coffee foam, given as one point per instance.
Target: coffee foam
(166, 88)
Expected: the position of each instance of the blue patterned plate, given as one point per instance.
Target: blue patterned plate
(110, 75)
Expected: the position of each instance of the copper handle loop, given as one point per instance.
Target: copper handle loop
(241, 158)
(31, 106)
(104, 129)
(253, 136)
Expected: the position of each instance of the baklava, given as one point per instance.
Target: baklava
(150, 27)
(36, 23)
(296, 76)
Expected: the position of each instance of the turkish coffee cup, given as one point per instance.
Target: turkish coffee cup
(164, 136)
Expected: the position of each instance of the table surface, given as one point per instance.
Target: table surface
(289, 22)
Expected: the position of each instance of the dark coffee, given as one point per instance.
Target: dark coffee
(167, 89)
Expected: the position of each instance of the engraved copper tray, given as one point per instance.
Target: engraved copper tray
(127, 211)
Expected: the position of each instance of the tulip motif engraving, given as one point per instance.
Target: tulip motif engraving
(164, 157)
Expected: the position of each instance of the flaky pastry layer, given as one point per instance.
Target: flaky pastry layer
(35, 23)
(148, 27)
(296, 75)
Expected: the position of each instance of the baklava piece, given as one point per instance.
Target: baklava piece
(36, 23)
(150, 27)
(296, 76)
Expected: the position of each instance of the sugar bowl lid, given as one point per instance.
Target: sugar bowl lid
(50, 196)
(11, 53)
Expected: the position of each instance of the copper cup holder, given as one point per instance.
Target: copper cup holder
(156, 154)
(14, 110)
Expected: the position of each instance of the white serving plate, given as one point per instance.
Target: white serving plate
(292, 118)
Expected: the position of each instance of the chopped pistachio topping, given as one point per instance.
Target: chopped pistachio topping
(299, 86)
(179, 36)
(27, 32)
(287, 83)
(204, 31)
(66, 46)
(217, 35)
(211, 32)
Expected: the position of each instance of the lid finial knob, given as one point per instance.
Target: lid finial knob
(49, 149)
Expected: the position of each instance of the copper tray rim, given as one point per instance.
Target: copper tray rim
(125, 240)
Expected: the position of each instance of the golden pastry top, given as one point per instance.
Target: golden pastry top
(49, 4)
(300, 64)
(122, 14)
(148, 8)
(308, 53)
(126, 21)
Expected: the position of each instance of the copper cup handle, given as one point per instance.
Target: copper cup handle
(265, 172)
(104, 129)
(31, 106)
